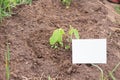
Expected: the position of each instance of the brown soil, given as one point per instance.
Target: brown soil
(29, 29)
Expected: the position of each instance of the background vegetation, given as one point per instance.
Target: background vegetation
(7, 5)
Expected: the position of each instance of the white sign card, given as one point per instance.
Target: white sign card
(88, 51)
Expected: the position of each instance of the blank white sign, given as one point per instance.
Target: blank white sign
(88, 51)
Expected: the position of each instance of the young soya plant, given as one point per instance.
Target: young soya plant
(74, 32)
(57, 37)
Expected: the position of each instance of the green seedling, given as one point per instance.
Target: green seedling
(66, 3)
(7, 62)
(73, 32)
(111, 72)
(57, 37)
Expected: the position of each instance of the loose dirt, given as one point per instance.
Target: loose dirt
(30, 27)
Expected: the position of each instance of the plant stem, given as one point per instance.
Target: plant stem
(102, 73)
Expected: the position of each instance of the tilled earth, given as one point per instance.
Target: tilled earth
(30, 27)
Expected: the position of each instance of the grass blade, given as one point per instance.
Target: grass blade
(7, 62)
(111, 72)
(102, 73)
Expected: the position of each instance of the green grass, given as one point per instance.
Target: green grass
(7, 62)
(101, 71)
(110, 75)
(114, 69)
(7, 5)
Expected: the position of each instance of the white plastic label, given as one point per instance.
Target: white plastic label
(87, 51)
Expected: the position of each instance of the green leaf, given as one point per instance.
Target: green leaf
(67, 47)
(7, 5)
(71, 30)
(74, 32)
(57, 37)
